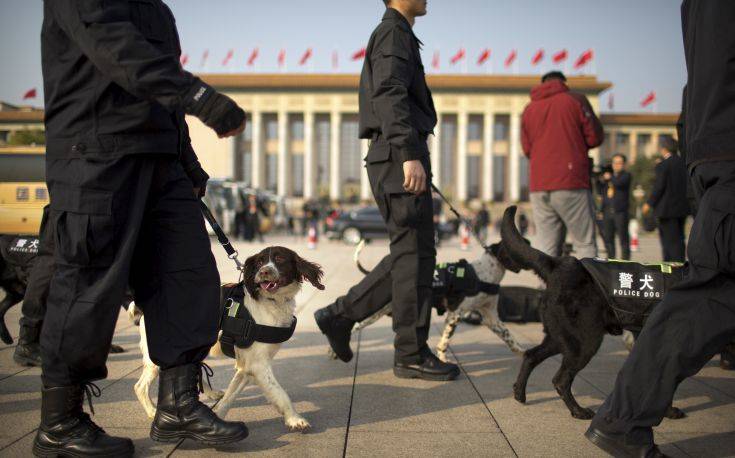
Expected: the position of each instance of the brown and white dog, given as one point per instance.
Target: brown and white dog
(272, 279)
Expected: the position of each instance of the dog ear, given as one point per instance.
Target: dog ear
(493, 249)
(502, 255)
(310, 271)
(248, 273)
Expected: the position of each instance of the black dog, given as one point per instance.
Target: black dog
(575, 314)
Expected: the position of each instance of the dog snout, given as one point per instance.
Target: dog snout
(266, 273)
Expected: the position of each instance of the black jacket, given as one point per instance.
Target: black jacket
(113, 82)
(395, 101)
(709, 105)
(620, 201)
(669, 194)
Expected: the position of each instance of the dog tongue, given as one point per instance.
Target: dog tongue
(269, 285)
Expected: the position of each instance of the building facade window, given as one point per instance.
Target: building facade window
(243, 156)
(622, 143)
(500, 165)
(270, 127)
(448, 147)
(296, 153)
(350, 157)
(322, 146)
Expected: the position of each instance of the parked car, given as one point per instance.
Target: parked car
(367, 223)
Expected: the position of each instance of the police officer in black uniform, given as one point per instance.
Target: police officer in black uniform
(397, 114)
(696, 319)
(124, 181)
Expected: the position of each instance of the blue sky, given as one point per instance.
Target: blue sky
(637, 43)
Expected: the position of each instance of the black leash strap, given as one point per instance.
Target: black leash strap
(461, 218)
(221, 236)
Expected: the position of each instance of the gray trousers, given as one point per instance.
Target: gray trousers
(557, 213)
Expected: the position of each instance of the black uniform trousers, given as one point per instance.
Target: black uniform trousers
(616, 223)
(410, 268)
(693, 322)
(39, 279)
(127, 221)
(671, 232)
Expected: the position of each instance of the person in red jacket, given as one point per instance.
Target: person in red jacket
(558, 129)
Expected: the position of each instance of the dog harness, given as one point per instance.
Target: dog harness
(455, 281)
(239, 328)
(19, 250)
(633, 289)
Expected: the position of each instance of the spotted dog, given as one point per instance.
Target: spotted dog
(272, 279)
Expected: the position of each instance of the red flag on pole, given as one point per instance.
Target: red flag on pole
(436, 61)
(649, 99)
(559, 57)
(611, 102)
(459, 56)
(538, 57)
(359, 54)
(583, 59)
(205, 56)
(228, 57)
(484, 56)
(335, 60)
(307, 55)
(253, 56)
(511, 58)
(282, 58)
(30, 94)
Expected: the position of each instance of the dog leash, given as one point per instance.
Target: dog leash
(221, 236)
(461, 218)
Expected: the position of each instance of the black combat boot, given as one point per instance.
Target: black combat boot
(28, 351)
(181, 415)
(430, 368)
(66, 430)
(338, 331)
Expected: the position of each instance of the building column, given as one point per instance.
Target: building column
(515, 157)
(436, 169)
(462, 121)
(283, 186)
(655, 138)
(632, 146)
(309, 159)
(258, 156)
(487, 157)
(335, 163)
(366, 192)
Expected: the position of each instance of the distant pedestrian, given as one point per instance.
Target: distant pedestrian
(482, 220)
(669, 202)
(615, 191)
(558, 129)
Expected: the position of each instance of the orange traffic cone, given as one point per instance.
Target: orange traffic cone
(311, 240)
(464, 237)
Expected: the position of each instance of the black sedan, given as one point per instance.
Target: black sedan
(367, 223)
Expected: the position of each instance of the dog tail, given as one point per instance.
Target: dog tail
(358, 249)
(520, 250)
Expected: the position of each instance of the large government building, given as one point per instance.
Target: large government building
(302, 140)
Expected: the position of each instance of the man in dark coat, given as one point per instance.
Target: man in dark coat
(615, 191)
(669, 201)
(124, 181)
(696, 319)
(397, 114)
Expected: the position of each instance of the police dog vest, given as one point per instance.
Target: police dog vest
(455, 281)
(238, 327)
(633, 289)
(19, 251)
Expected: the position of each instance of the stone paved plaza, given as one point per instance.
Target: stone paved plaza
(361, 409)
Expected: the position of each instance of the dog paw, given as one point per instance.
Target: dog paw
(674, 413)
(215, 395)
(331, 354)
(519, 395)
(297, 423)
(583, 414)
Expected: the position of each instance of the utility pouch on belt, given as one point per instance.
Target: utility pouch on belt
(238, 327)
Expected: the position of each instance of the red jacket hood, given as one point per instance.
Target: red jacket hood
(547, 89)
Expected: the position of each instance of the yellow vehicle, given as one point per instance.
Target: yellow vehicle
(23, 191)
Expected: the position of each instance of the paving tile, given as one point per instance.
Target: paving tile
(412, 444)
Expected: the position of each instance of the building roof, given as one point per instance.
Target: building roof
(438, 83)
(35, 115)
(639, 119)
